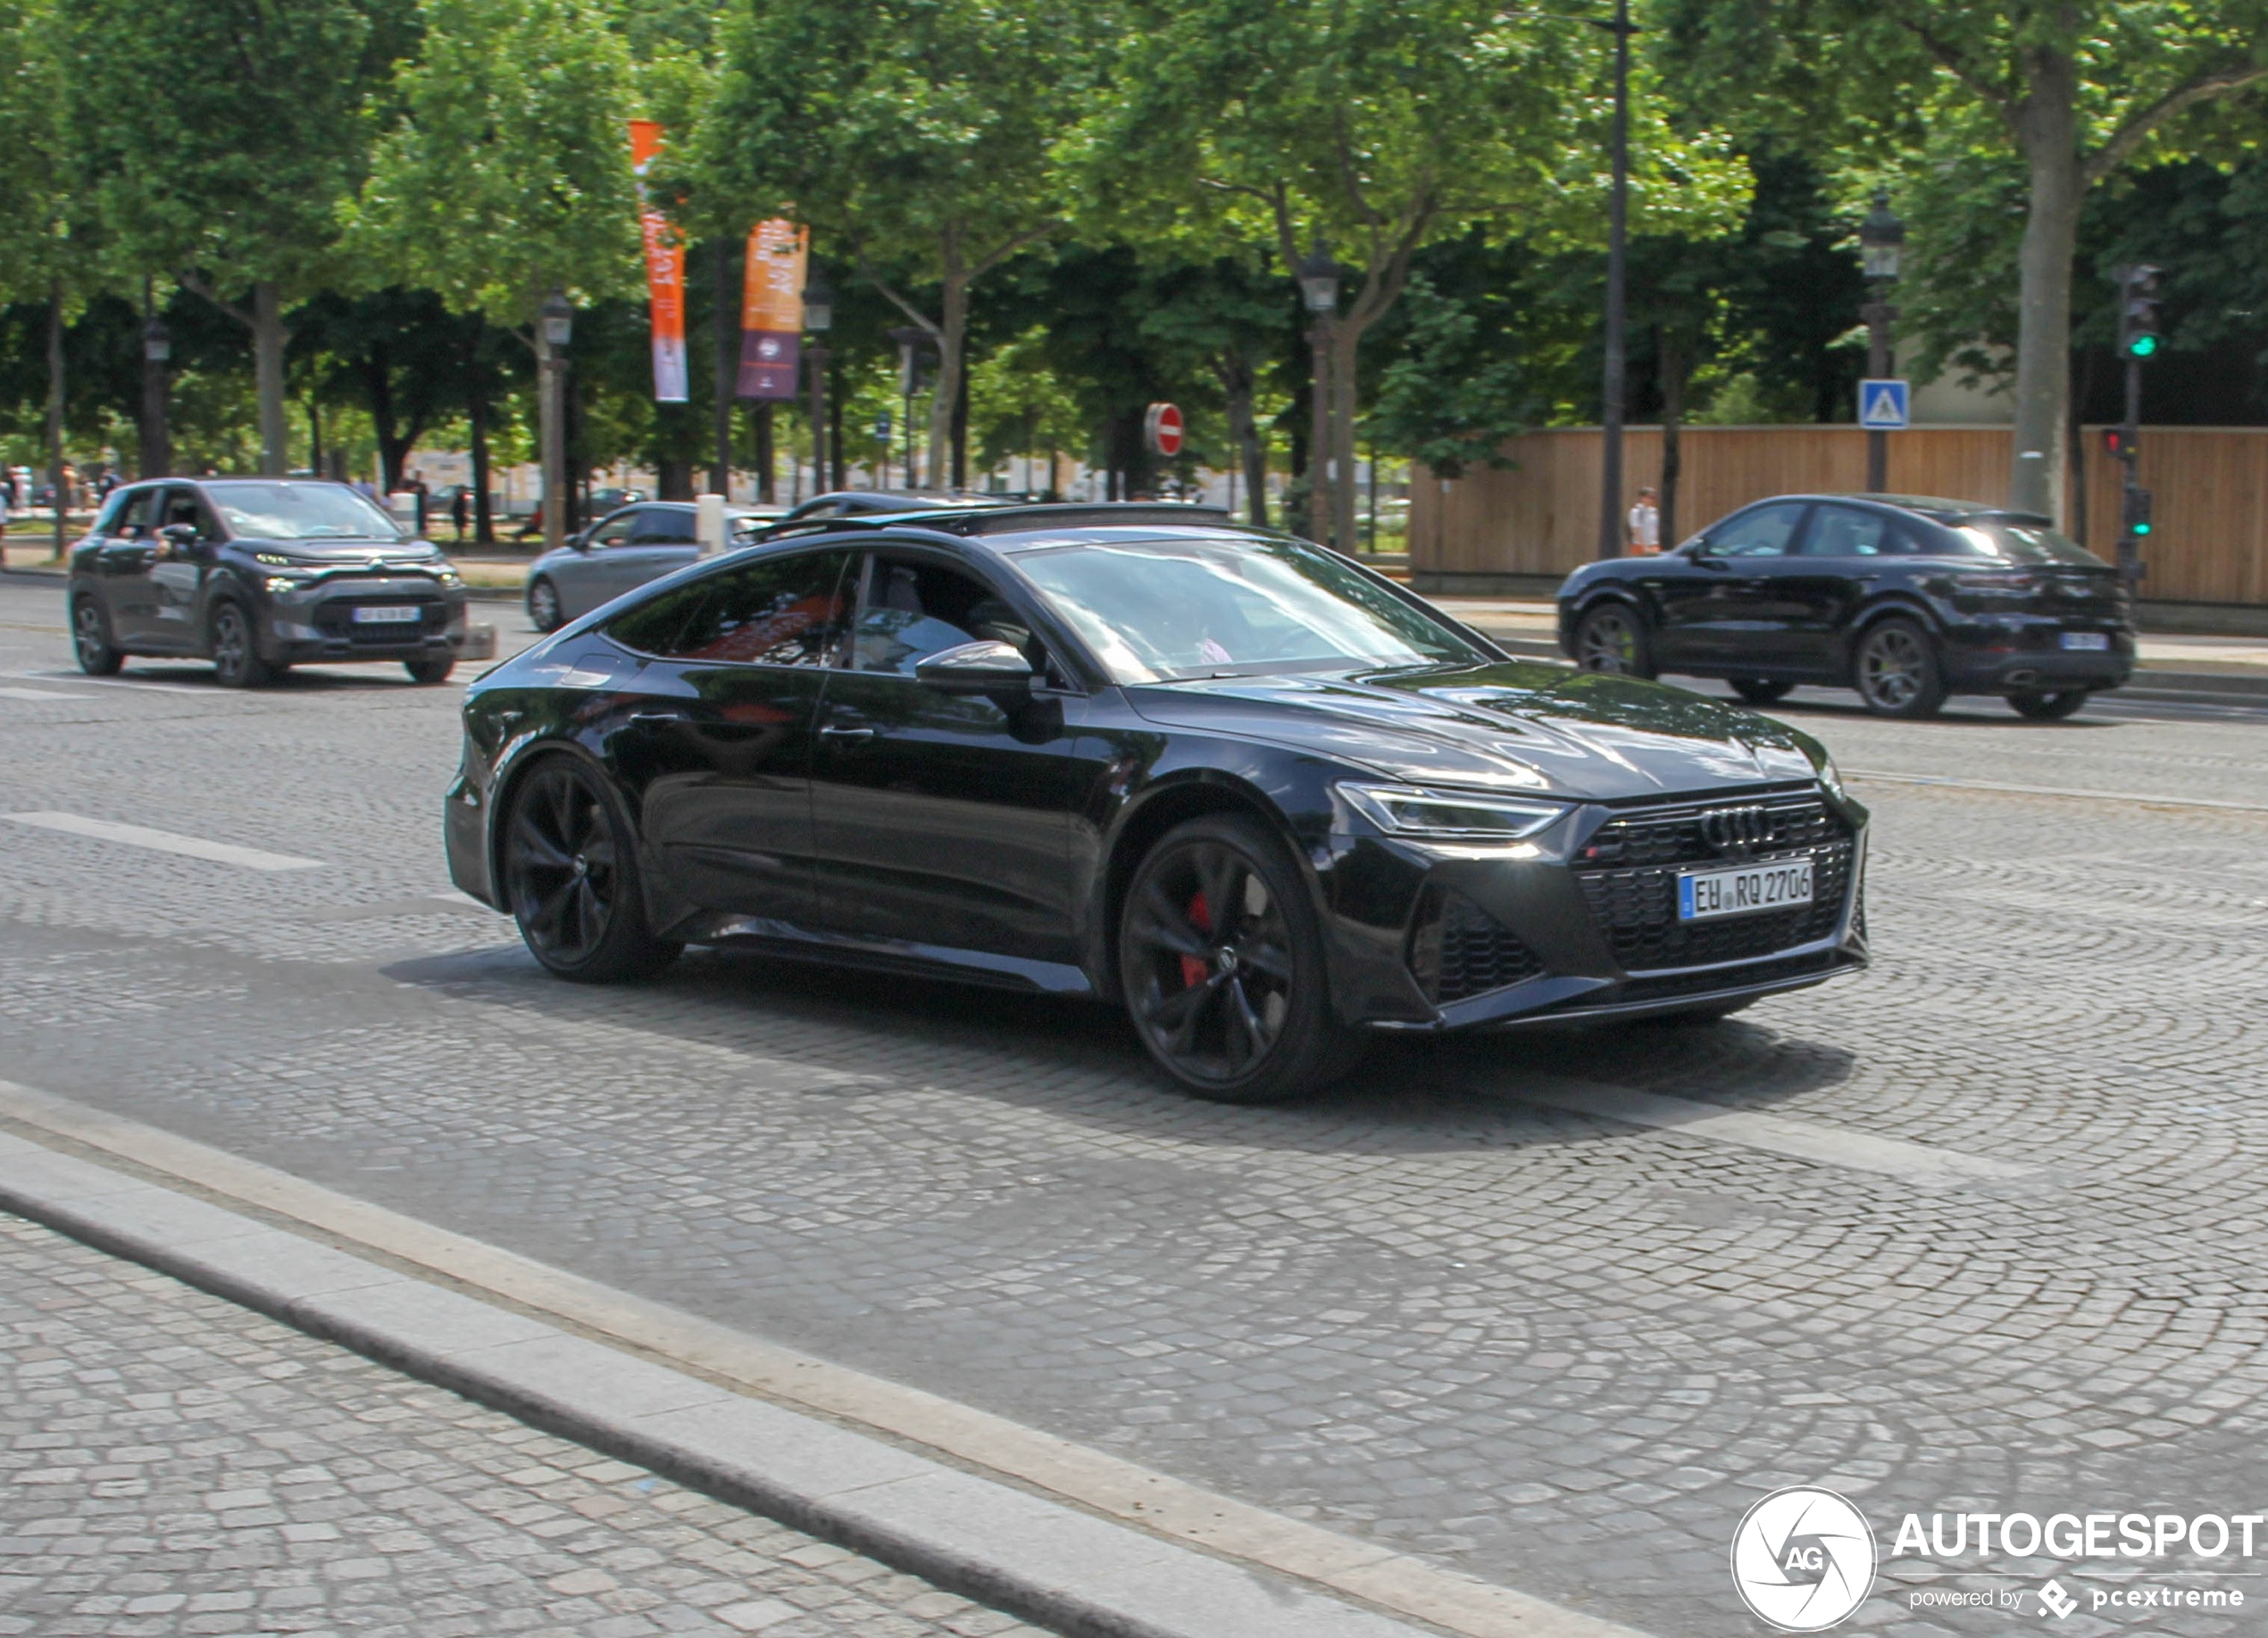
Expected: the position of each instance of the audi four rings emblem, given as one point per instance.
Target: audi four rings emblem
(1735, 830)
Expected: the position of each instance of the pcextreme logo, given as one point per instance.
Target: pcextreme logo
(1803, 1558)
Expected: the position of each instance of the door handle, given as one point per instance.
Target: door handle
(658, 718)
(848, 735)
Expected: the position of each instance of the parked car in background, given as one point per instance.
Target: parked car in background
(1266, 799)
(623, 551)
(259, 575)
(608, 499)
(1905, 598)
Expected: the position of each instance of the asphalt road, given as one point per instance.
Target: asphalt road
(2001, 1251)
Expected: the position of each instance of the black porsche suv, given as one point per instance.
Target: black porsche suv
(259, 574)
(1905, 599)
(1264, 799)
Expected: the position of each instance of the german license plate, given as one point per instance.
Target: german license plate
(1703, 895)
(388, 614)
(2087, 639)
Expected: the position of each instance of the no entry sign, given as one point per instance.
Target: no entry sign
(1164, 428)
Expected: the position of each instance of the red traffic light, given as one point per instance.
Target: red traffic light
(2118, 441)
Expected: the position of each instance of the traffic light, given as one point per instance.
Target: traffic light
(2137, 516)
(2119, 443)
(2137, 312)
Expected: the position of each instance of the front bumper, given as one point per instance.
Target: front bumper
(317, 622)
(1581, 924)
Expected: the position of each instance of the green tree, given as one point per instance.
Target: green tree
(2074, 91)
(917, 133)
(219, 139)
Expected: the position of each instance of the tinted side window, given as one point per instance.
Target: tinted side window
(780, 610)
(914, 609)
(112, 518)
(663, 526)
(1764, 531)
(615, 531)
(1847, 531)
(187, 506)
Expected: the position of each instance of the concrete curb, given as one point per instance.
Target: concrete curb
(1023, 1553)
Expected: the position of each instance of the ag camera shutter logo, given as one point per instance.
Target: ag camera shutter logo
(1803, 1558)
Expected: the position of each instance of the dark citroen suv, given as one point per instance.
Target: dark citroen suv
(259, 574)
(1905, 598)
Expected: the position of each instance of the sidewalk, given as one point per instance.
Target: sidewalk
(177, 1464)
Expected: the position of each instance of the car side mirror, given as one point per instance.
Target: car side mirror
(180, 539)
(976, 668)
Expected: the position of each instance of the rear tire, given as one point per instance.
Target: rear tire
(571, 878)
(2048, 707)
(1612, 638)
(543, 613)
(90, 639)
(1760, 691)
(1897, 671)
(1222, 968)
(235, 657)
(430, 670)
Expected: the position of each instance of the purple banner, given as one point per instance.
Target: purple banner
(769, 360)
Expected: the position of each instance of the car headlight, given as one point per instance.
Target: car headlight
(1465, 816)
(449, 577)
(1831, 776)
(279, 583)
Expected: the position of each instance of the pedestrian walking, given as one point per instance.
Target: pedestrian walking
(423, 491)
(461, 510)
(1643, 531)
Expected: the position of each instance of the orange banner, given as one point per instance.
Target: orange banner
(665, 271)
(772, 310)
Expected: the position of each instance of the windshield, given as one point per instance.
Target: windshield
(1156, 609)
(2022, 541)
(299, 511)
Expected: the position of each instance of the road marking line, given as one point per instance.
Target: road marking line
(1801, 1140)
(41, 693)
(2050, 790)
(1108, 1485)
(166, 842)
(203, 690)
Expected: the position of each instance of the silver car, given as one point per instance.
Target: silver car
(621, 551)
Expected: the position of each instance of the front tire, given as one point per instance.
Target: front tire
(1761, 691)
(570, 880)
(543, 613)
(90, 640)
(1898, 672)
(2048, 707)
(1612, 638)
(235, 657)
(1222, 964)
(431, 670)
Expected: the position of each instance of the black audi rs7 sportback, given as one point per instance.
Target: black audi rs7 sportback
(1266, 800)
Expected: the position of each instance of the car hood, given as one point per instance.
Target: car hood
(1515, 726)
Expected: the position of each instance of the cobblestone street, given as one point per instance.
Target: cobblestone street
(1443, 1309)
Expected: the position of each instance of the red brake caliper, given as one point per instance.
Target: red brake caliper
(1193, 966)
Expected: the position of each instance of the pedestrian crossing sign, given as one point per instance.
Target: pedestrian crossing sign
(1881, 405)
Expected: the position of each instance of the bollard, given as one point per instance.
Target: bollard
(708, 523)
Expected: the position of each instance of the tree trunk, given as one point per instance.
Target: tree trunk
(484, 526)
(953, 335)
(1236, 386)
(56, 406)
(961, 433)
(1346, 341)
(767, 457)
(2048, 127)
(1670, 367)
(269, 339)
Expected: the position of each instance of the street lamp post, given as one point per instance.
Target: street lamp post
(1319, 290)
(911, 339)
(1880, 238)
(555, 328)
(819, 318)
(1613, 384)
(157, 348)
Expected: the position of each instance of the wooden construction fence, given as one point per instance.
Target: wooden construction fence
(1540, 517)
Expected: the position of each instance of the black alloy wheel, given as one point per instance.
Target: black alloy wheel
(570, 880)
(542, 606)
(235, 661)
(2048, 707)
(1612, 638)
(90, 640)
(1897, 670)
(1221, 962)
(431, 670)
(1761, 691)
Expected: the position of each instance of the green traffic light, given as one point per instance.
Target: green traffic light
(2141, 529)
(2142, 346)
